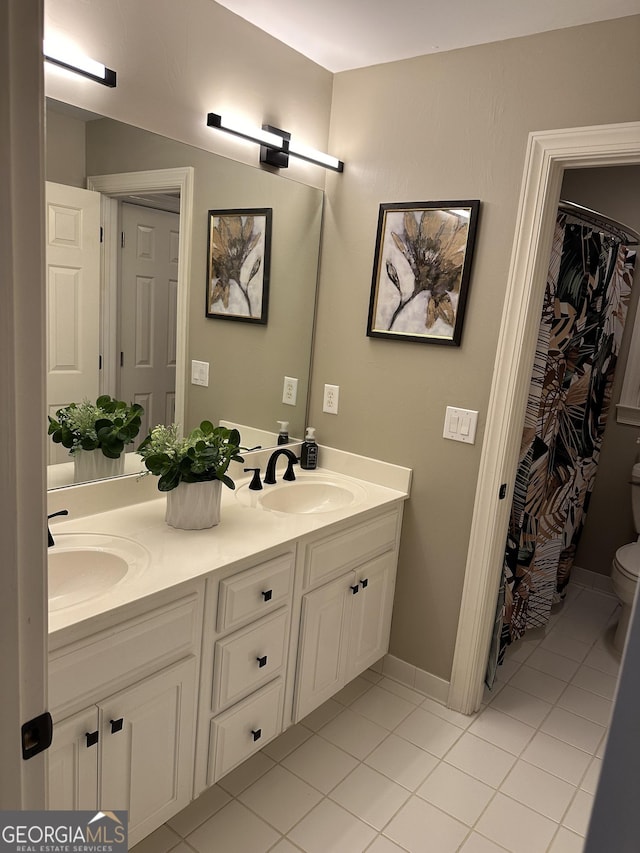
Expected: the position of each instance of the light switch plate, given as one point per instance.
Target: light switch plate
(460, 424)
(200, 373)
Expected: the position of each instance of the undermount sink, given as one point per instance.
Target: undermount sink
(307, 494)
(85, 565)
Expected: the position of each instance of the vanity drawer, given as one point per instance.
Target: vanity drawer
(254, 592)
(244, 729)
(346, 550)
(249, 658)
(82, 671)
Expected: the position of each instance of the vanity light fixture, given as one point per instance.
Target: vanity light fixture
(276, 144)
(317, 157)
(83, 65)
(253, 134)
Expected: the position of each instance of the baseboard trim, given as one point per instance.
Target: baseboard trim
(593, 580)
(415, 678)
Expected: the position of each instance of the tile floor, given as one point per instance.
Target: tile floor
(381, 768)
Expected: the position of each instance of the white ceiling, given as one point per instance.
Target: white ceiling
(345, 34)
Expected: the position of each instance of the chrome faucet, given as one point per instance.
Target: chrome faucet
(270, 475)
(53, 515)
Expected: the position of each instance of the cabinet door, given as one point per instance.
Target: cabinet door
(72, 760)
(371, 614)
(147, 734)
(323, 646)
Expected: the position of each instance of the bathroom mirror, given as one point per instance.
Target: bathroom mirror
(247, 362)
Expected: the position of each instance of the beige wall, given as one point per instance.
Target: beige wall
(614, 191)
(65, 153)
(177, 60)
(449, 126)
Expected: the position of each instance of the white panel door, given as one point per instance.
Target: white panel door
(72, 761)
(372, 610)
(148, 312)
(323, 643)
(147, 735)
(73, 299)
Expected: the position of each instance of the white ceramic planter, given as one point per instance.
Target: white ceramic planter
(94, 465)
(194, 506)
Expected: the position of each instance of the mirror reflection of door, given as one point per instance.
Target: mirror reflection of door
(148, 312)
(73, 299)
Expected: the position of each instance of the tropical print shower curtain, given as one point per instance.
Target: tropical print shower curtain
(585, 306)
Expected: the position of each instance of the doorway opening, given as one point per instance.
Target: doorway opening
(114, 189)
(549, 154)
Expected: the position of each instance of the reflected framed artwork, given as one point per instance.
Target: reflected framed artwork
(421, 270)
(239, 254)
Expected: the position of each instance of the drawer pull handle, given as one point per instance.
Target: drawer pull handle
(92, 738)
(262, 661)
(267, 594)
(354, 589)
(364, 583)
(257, 734)
(116, 725)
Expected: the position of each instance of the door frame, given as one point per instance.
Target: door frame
(23, 603)
(114, 187)
(548, 154)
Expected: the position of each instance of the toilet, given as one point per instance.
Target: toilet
(626, 565)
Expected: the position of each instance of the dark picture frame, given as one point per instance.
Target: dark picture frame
(421, 270)
(238, 264)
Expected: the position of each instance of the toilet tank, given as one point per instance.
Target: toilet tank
(635, 495)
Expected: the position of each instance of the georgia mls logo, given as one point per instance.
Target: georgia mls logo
(118, 832)
(63, 832)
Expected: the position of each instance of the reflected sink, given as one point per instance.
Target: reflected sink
(307, 494)
(85, 565)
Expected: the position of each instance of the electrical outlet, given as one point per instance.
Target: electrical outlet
(330, 402)
(200, 373)
(290, 391)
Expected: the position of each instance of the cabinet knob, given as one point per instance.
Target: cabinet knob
(364, 583)
(267, 594)
(262, 661)
(92, 738)
(116, 725)
(257, 734)
(354, 589)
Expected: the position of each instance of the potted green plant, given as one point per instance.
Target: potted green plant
(191, 470)
(96, 434)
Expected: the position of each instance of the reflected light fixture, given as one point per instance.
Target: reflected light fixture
(83, 65)
(276, 145)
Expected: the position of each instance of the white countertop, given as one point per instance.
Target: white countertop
(179, 556)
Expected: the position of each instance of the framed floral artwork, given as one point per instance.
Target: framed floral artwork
(239, 252)
(421, 270)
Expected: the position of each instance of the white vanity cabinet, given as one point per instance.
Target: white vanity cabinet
(130, 748)
(244, 663)
(222, 645)
(346, 607)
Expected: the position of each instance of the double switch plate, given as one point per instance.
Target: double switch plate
(460, 424)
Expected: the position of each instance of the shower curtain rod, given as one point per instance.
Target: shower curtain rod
(592, 217)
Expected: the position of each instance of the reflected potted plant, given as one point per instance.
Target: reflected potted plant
(96, 435)
(191, 470)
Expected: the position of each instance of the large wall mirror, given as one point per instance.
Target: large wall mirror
(247, 362)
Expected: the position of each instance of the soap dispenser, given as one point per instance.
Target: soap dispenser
(283, 434)
(309, 452)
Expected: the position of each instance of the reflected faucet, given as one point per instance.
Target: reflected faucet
(53, 515)
(270, 475)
